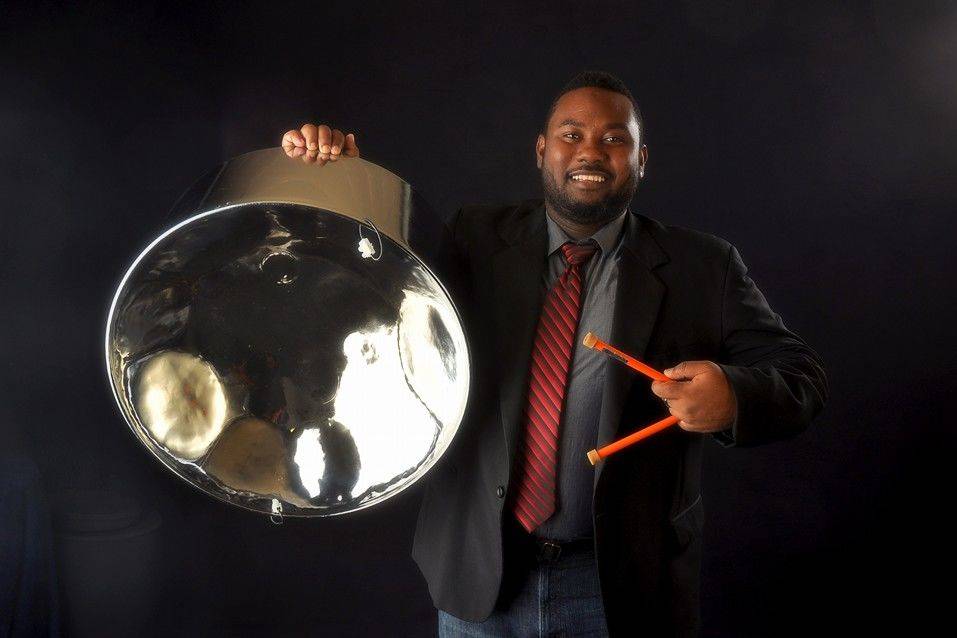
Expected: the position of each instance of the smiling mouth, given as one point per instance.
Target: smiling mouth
(589, 176)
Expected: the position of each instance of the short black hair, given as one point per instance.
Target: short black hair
(598, 80)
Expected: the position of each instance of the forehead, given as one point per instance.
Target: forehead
(593, 106)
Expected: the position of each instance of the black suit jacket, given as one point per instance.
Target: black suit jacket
(682, 295)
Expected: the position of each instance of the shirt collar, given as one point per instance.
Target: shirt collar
(606, 236)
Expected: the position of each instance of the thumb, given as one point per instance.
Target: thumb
(684, 370)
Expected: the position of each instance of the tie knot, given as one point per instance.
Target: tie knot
(576, 254)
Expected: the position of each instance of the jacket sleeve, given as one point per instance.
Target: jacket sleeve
(778, 380)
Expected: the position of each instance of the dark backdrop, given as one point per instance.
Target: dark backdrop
(817, 138)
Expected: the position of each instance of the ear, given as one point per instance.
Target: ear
(642, 160)
(540, 150)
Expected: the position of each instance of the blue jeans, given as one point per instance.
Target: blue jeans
(559, 598)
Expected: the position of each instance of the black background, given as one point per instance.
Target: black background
(817, 138)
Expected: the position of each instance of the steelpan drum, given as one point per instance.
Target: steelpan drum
(283, 348)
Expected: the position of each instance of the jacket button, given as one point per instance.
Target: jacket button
(500, 491)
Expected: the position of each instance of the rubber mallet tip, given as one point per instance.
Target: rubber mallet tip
(593, 457)
(590, 340)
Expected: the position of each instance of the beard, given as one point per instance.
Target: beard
(603, 210)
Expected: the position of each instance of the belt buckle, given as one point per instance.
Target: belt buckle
(549, 551)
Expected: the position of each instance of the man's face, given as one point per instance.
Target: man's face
(590, 155)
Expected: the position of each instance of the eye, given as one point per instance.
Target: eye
(571, 136)
(615, 139)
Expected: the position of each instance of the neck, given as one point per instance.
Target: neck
(574, 229)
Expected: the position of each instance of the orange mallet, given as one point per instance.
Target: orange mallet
(591, 341)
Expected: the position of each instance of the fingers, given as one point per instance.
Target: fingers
(677, 395)
(311, 134)
(338, 141)
(343, 145)
(327, 142)
(293, 138)
(699, 396)
(666, 389)
(688, 370)
(325, 139)
(293, 143)
(684, 384)
(311, 156)
(317, 138)
(685, 412)
(319, 143)
(351, 150)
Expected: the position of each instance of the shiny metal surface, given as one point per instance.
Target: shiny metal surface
(284, 347)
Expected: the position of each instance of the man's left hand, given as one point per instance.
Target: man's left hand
(699, 395)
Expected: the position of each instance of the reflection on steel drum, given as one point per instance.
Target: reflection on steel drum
(285, 348)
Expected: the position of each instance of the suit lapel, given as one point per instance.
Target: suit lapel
(638, 297)
(517, 273)
(517, 278)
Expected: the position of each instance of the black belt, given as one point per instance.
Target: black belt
(548, 550)
(537, 549)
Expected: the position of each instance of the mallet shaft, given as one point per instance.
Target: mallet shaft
(591, 341)
(596, 455)
(595, 343)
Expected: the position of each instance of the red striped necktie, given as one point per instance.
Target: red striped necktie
(548, 379)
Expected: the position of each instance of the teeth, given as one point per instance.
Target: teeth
(588, 178)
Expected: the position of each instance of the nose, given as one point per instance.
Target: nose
(590, 150)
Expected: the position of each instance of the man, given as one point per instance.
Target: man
(518, 534)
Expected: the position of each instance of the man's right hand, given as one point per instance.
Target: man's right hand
(319, 144)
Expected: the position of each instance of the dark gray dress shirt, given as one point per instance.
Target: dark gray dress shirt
(578, 427)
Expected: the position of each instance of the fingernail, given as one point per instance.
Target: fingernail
(335, 150)
(312, 146)
(325, 148)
